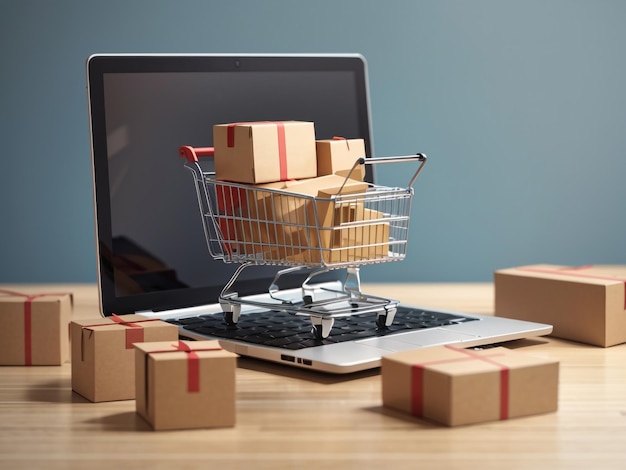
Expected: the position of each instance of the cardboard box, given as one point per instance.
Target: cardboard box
(585, 304)
(337, 156)
(361, 234)
(264, 152)
(103, 361)
(245, 215)
(330, 212)
(456, 386)
(184, 385)
(34, 328)
(280, 225)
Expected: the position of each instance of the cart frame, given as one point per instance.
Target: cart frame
(255, 225)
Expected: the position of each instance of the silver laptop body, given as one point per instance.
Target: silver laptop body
(151, 250)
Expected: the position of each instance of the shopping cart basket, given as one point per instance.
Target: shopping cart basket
(286, 224)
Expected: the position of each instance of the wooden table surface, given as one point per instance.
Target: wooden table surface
(289, 418)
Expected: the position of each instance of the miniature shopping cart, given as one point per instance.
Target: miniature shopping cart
(315, 230)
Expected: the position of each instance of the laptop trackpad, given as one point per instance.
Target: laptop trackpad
(416, 339)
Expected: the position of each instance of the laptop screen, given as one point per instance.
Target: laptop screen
(152, 254)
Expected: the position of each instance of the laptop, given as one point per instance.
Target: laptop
(151, 247)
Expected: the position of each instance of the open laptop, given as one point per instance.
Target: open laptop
(152, 253)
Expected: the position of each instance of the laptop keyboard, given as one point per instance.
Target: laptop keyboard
(284, 330)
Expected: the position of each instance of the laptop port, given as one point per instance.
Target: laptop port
(287, 358)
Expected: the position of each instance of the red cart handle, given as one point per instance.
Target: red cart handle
(192, 154)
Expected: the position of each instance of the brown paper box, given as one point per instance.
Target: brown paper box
(279, 225)
(46, 341)
(337, 156)
(458, 386)
(171, 394)
(365, 239)
(103, 362)
(329, 210)
(255, 154)
(585, 304)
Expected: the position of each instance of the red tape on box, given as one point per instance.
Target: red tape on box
(282, 146)
(193, 363)
(576, 272)
(417, 380)
(134, 333)
(344, 139)
(28, 321)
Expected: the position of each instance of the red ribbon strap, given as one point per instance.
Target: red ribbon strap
(230, 134)
(344, 139)
(417, 380)
(28, 320)
(417, 390)
(193, 363)
(28, 332)
(193, 367)
(134, 332)
(282, 151)
(576, 272)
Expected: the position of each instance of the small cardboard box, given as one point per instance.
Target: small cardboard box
(34, 328)
(366, 239)
(456, 386)
(103, 362)
(330, 211)
(338, 156)
(264, 152)
(585, 304)
(185, 385)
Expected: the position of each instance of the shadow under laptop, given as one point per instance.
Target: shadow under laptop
(324, 378)
(275, 368)
(517, 343)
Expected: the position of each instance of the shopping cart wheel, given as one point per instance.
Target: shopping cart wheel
(385, 319)
(231, 312)
(322, 326)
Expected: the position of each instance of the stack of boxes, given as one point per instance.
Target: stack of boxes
(175, 384)
(288, 209)
(125, 357)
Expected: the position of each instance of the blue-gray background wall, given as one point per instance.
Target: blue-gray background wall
(520, 105)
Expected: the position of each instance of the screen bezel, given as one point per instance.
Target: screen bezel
(100, 64)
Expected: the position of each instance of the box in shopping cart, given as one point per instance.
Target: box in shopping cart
(278, 221)
(338, 156)
(243, 215)
(364, 235)
(264, 152)
(306, 212)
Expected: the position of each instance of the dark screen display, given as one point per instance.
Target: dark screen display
(152, 251)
